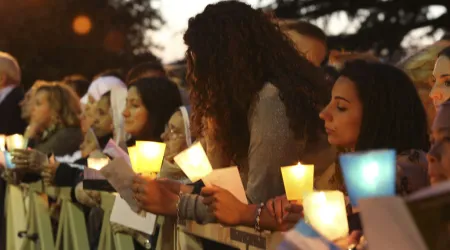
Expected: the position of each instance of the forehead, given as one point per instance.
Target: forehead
(176, 119)
(344, 87)
(103, 102)
(442, 66)
(133, 93)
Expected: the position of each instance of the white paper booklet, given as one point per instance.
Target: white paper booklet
(419, 222)
(120, 174)
(229, 179)
(122, 214)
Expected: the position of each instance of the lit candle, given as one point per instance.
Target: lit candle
(194, 162)
(97, 163)
(16, 142)
(369, 174)
(146, 157)
(298, 180)
(2, 142)
(326, 212)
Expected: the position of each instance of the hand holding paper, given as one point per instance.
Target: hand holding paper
(227, 209)
(229, 179)
(119, 173)
(114, 151)
(122, 214)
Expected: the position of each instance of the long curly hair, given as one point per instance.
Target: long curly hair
(233, 50)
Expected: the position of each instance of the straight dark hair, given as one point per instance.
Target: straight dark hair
(393, 115)
(161, 98)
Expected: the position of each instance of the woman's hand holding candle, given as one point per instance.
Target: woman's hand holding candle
(29, 160)
(32, 130)
(227, 209)
(156, 196)
(284, 211)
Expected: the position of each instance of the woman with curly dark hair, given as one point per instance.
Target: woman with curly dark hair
(255, 101)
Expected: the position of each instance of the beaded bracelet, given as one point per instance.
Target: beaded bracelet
(178, 207)
(258, 217)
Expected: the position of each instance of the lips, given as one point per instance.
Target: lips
(329, 131)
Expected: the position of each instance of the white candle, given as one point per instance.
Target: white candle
(298, 180)
(326, 212)
(194, 162)
(2, 142)
(16, 142)
(97, 163)
(146, 156)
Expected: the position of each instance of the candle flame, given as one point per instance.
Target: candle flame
(298, 171)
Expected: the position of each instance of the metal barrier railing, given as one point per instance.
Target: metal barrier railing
(33, 230)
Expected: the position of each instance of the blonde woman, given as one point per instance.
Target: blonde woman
(54, 127)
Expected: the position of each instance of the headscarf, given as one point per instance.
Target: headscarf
(185, 112)
(100, 86)
(118, 102)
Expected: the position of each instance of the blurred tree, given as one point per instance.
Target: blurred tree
(55, 38)
(381, 24)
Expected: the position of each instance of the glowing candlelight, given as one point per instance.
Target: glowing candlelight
(194, 162)
(146, 157)
(16, 142)
(369, 174)
(298, 180)
(326, 212)
(97, 163)
(2, 142)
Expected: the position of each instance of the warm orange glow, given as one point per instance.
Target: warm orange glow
(82, 25)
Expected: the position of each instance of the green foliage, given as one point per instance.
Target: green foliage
(40, 34)
(383, 23)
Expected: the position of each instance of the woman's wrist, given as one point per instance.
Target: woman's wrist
(248, 215)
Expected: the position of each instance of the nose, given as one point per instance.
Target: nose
(432, 155)
(325, 115)
(164, 135)
(126, 113)
(435, 94)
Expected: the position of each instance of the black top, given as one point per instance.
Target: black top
(11, 122)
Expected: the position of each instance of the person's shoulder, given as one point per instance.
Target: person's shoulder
(412, 157)
(69, 133)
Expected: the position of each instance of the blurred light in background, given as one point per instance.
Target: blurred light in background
(82, 25)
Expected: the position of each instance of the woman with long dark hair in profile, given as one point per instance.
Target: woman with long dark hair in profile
(150, 104)
(255, 101)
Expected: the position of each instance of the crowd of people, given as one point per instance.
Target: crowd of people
(261, 93)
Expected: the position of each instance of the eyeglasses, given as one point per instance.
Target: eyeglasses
(173, 134)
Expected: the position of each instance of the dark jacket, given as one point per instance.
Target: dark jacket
(11, 122)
